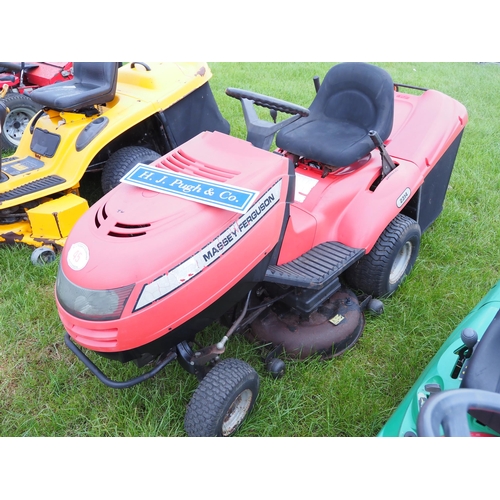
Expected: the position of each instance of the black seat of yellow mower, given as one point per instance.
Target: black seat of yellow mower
(353, 99)
(93, 83)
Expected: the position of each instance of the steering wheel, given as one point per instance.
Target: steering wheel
(449, 410)
(260, 132)
(268, 102)
(132, 65)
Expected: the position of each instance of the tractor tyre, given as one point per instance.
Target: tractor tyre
(122, 161)
(223, 400)
(21, 110)
(382, 270)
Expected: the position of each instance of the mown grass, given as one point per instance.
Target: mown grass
(46, 391)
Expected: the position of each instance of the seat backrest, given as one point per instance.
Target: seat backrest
(358, 93)
(97, 74)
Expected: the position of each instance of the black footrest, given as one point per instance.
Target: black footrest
(317, 267)
(32, 187)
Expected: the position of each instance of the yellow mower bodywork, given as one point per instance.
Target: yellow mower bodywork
(50, 213)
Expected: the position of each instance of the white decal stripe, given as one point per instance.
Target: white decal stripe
(211, 252)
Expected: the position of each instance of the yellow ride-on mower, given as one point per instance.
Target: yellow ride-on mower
(108, 117)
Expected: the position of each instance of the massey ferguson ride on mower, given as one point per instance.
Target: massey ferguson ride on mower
(268, 242)
(458, 394)
(107, 118)
(17, 81)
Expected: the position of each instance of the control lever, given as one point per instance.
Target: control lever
(317, 84)
(469, 338)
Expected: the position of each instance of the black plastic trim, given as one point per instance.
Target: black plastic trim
(90, 132)
(32, 187)
(112, 383)
(317, 267)
(44, 143)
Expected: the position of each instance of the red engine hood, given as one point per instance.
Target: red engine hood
(134, 235)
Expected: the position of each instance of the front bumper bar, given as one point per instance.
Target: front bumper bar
(112, 383)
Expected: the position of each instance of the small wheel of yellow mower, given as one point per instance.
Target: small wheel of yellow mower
(43, 255)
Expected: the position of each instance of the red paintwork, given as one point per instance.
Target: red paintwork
(334, 210)
(179, 229)
(46, 73)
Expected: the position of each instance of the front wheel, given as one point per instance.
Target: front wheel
(43, 255)
(122, 161)
(21, 110)
(382, 270)
(223, 400)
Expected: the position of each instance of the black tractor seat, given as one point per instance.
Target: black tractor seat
(93, 83)
(354, 99)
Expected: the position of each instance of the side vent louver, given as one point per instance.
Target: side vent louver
(128, 230)
(120, 230)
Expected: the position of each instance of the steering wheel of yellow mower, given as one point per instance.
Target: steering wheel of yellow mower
(132, 65)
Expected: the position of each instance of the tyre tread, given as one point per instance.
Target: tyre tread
(122, 161)
(209, 398)
(367, 274)
(15, 100)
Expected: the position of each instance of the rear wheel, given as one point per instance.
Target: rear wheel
(122, 161)
(223, 400)
(21, 110)
(382, 270)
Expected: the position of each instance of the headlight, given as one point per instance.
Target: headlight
(93, 305)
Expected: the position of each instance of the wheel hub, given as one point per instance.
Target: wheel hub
(237, 412)
(16, 123)
(400, 262)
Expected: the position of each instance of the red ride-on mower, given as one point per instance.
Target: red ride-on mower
(268, 242)
(17, 81)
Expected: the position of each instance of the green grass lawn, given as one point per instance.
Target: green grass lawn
(46, 391)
